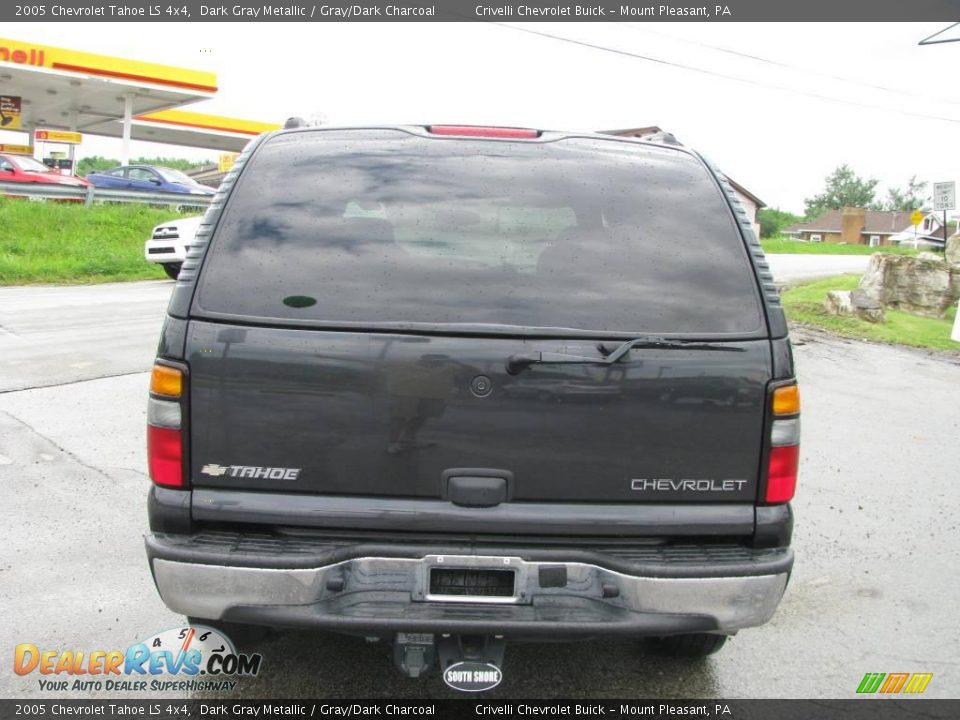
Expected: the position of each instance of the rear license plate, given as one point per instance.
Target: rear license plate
(471, 578)
(472, 582)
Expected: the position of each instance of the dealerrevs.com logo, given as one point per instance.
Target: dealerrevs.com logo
(179, 659)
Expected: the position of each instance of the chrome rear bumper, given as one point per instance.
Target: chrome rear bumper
(388, 594)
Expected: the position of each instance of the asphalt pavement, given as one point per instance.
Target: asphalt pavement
(60, 334)
(790, 268)
(877, 535)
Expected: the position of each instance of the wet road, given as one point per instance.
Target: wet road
(877, 537)
(789, 268)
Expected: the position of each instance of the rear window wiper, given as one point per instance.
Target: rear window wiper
(520, 361)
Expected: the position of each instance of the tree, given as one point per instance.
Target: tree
(98, 163)
(844, 189)
(909, 199)
(94, 163)
(773, 221)
(175, 163)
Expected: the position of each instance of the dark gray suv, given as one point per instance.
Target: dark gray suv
(454, 386)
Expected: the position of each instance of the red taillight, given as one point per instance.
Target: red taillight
(490, 132)
(165, 427)
(784, 444)
(782, 473)
(165, 456)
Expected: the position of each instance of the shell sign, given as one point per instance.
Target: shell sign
(57, 136)
(16, 149)
(77, 62)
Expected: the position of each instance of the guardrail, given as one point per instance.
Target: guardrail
(90, 195)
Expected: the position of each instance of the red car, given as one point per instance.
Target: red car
(24, 169)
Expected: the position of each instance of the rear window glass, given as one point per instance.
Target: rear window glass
(390, 229)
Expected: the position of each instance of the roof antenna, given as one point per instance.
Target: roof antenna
(294, 122)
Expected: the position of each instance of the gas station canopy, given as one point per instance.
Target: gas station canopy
(117, 97)
(178, 127)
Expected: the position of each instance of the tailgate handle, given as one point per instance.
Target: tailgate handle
(472, 487)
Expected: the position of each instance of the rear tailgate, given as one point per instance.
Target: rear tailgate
(387, 415)
(364, 291)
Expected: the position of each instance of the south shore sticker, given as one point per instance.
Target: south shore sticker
(472, 676)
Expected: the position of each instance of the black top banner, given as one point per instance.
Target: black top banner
(481, 10)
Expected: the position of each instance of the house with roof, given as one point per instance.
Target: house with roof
(928, 232)
(750, 202)
(857, 226)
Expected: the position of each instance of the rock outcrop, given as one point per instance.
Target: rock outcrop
(854, 303)
(924, 284)
(953, 252)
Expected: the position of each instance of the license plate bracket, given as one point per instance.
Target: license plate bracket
(471, 579)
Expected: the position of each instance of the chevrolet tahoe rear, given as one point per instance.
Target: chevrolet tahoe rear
(452, 387)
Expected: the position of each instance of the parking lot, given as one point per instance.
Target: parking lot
(877, 535)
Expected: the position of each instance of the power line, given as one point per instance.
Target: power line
(930, 40)
(713, 73)
(778, 63)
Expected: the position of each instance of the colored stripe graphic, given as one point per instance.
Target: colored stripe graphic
(870, 682)
(894, 683)
(918, 682)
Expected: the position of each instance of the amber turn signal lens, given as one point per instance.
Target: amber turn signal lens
(786, 400)
(166, 381)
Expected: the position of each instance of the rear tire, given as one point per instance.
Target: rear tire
(172, 270)
(693, 645)
(242, 635)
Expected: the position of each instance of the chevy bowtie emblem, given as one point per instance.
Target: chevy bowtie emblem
(214, 469)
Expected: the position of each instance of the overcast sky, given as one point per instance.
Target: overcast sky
(776, 134)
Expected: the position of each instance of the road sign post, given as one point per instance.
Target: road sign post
(945, 198)
(916, 217)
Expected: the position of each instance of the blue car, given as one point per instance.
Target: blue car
(148, 177)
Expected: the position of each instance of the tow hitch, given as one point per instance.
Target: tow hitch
(470, 663)
(414, 653)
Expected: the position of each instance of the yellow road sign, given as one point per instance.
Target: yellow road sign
(226, 161)
(916, 217)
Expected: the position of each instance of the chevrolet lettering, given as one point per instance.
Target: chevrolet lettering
(670, 485)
